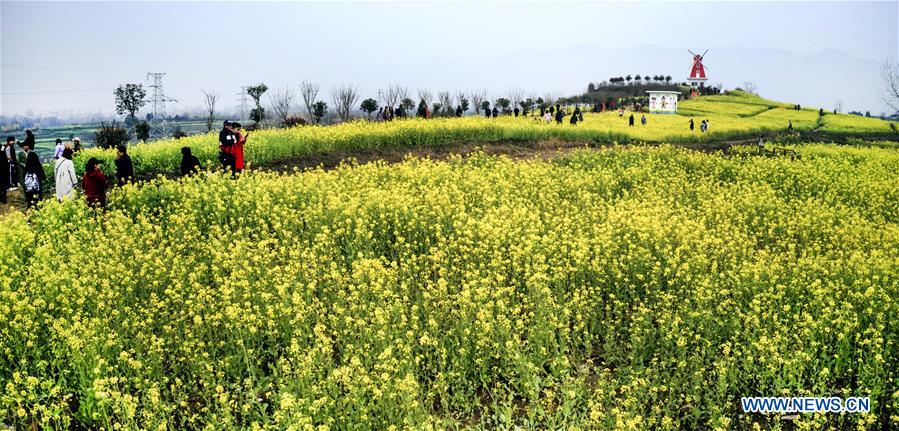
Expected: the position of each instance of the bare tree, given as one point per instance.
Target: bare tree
(549, 98)
(463, 100)
(389, 94)
(890, 74)
(750, 87)
(309, 92)
(209, 99)
(402, 93)
(516, 95)
(446, 99)
(478, 96)
(838, 107)
(344, 97)
(281, 101)
(426, 95)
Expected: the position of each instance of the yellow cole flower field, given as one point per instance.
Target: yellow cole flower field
(738, 115)
(640, 288)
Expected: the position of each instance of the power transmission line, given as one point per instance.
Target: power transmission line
(74, 69)
(243, 102)
(55, 92)
(158, 122)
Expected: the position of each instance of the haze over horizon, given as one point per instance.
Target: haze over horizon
(69, 57)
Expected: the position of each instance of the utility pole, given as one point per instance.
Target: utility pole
(158, 124)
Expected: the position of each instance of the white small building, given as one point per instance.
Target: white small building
(663, 102)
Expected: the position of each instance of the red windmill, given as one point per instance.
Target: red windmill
(697, 70)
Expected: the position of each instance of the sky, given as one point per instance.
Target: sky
(65, 57)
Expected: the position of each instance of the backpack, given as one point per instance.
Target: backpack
(32, 184)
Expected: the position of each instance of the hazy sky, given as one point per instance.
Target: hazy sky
(58, 57)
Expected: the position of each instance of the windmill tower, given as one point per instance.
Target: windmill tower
(697, 70)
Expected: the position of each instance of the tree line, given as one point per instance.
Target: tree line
(627, 80)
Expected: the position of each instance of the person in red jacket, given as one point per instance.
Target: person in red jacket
(94, 184)
(239, 162)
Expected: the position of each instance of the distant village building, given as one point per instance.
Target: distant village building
(663, 102)
(697, 70)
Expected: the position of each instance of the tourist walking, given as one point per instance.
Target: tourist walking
(34, 175)
(124, 169)
(190, 164)
(12, 164)
(57, 152)
(66, 179)
(495, 111)
(227, 140)
(29, 140)
(630, 121)
(239, 162)
(790, 125)
(573, 120)
(559, 116)
(691, 124)
(94, 182)
(4, 182)
(643, 120)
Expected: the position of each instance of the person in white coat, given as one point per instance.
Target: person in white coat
(65, 176)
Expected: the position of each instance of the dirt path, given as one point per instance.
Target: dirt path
(519, 150)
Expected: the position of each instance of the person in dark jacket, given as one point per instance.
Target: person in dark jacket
(9, 151)
(227, 139)
(29, 140)
(516, 111)
(5, 174)
(691, 124)
(34, 175)
(94, 183)
(495, 112)
(459, 110)
(124, 168)
(573, 120)
(630, 121)
(559, 116)
(190, 164)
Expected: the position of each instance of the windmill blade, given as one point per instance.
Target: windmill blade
(691, 52)
(703, 54)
